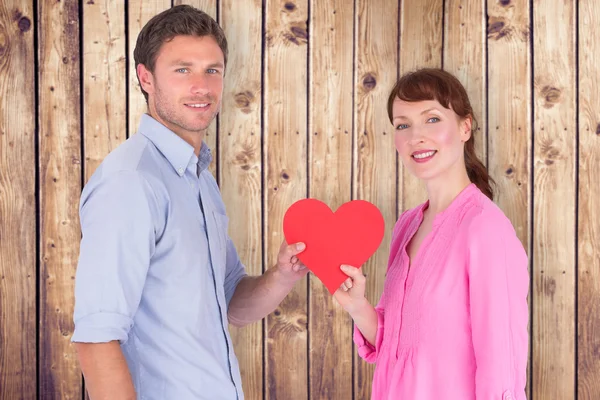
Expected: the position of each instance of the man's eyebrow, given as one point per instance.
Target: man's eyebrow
(183, 63)
(216, 65)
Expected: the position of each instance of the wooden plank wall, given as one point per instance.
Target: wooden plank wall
(304, 114)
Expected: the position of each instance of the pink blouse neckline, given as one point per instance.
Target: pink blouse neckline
(458, 201)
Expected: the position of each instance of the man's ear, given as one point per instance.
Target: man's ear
(465, 128)
(145, 78)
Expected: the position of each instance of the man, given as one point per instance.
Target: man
(158, 279)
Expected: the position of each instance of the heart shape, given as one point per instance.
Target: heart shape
(349, 236)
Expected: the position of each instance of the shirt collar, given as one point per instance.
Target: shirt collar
(177, 151)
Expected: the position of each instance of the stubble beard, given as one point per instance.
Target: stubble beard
(165, 109)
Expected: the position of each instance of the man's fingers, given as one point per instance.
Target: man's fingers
(298, 267)
(293, 249)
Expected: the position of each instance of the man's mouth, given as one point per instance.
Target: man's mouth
(198, 105)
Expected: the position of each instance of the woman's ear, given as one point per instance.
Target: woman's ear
(465, 129)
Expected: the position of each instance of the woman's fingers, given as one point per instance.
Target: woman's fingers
(354, 273)
(347, 285)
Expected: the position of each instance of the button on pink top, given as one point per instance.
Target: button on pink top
(454, 325)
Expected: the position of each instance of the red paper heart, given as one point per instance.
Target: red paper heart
(349, 236)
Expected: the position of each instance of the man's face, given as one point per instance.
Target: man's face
(186, 88)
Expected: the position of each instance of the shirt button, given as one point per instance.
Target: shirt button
(180, 170)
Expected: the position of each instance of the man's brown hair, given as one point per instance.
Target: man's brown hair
(179, 20)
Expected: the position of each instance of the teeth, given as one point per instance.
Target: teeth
(424, 155)
(198, 105)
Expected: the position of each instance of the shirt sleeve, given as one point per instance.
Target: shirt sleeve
(234, 270)
(118, 240)
(366, 350)
(498, 286)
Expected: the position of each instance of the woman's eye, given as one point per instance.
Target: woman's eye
(433, 119)
(401, 126)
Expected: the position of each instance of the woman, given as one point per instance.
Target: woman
(452, 319)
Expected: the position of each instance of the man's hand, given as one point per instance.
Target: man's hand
(289, 268)
(257, 296)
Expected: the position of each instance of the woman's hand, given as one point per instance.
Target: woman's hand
(351, 294)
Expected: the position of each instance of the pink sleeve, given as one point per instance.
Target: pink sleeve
(367, 350)
(498, 285)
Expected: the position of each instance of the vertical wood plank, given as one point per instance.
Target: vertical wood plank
(17, 202)
(211, 137)
(60, 185)
(420, 46)
(589, 202)
(465, 57)
(554, 199)
(104, 80)
(139, 12)
(330, 168)
(509, 132)
(285, 147)
(208, 6)
(376, 58)
(240, 166)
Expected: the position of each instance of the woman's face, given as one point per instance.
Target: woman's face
(429, 138)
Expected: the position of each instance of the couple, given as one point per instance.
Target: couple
(159, 280)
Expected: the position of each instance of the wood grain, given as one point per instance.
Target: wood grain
(465, 57)
(588, 305)
(17, 202)
(330, 177)
(509, 113)
(139, 13)
(104, 81)
(376, 55)
(211, 137)
(554, 200)
(241, 167)
(305, 88)
(60, 186)
(285, 93)
(421, 23)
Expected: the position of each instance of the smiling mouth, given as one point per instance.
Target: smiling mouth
(198, 105)
(421, 156)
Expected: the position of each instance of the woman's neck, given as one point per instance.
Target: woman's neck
(443, 190)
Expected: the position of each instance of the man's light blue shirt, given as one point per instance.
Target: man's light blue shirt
(157, 268)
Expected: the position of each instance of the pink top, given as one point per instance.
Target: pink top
(455, 326)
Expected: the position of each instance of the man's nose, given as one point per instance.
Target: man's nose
(199, 85)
